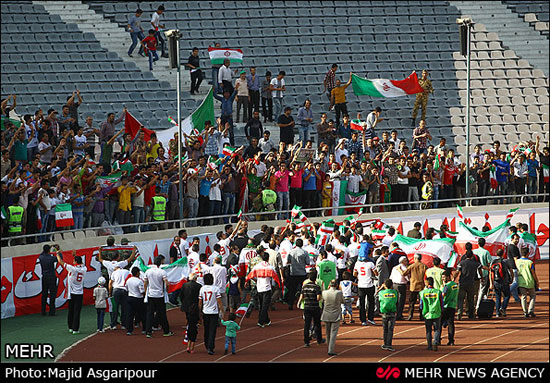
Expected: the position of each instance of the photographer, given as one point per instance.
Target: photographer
(49, 280)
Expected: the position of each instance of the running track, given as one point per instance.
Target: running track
(509, 339)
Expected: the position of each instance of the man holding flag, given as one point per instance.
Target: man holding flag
(265, 275)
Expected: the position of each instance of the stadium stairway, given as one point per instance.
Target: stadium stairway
(515, 34)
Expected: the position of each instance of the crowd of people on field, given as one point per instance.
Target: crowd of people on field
(284, 267)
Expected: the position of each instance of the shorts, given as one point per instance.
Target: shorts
(347, 306)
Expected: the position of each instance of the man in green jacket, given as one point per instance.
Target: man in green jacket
(449, 290)
(388, 308)
(431, 306)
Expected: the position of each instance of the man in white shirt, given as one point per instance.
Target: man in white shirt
(264, 274)
(225, 77)
(210, 304)
(365, 271)
(403, 175)
(201, 268)
(115, 262)
(220, 280)
(119, 292)
(155, 284)
(136, 307)
(193, 257)
(75, 282)
(277, 88)
(157, 26)
(184, 243)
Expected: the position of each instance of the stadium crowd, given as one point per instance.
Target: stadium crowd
(285, 267)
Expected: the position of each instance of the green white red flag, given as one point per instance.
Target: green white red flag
(324, 232)
(429, 248)
(494, 239)
(176, 272)
(530, 241)
(218, 55)
(64, 215)
(386, 88)
(242, 310)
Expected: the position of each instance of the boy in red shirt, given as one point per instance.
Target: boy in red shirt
(150, 48)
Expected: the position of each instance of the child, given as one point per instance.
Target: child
(387, 190)
(150, 46)
(326, 194)
(346, 285)
(231, 333)
(427, 190)
(100, 295)
(388, 308)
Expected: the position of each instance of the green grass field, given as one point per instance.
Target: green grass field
(45, 329)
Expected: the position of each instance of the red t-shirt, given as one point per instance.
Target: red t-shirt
(448, 173)
(150, 43)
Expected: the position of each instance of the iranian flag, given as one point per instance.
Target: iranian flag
(546, 173)
(242, 310)
(342, 197)
(110, 304)
(108, 181)
(214, 163)
(494, 238)
(176, 272)
(511, 213)
(386, 88)
(63, 215)
(217, 55)
(493, 177)
(357, 125)
(132, 126)
(453, 261)
(324, 232)
(124, 165)
(229, 151)
(240, 214)
(378, 235)
(437, 163)
(530, 241)
(352, 221)
(429, 248)
(459, 212)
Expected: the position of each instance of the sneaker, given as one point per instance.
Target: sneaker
(225, 352)
(390, 348)
(156, 328)
(532, 314)
(210, 352)
(260, 325)
(168, 334)
(449, 343)
(429, 348)
(76, 332)
(70, 331)
(268, 324)
(371, 322)
(321, 341)
(306, 345)
(149, 335)
(332, 353)
(384, 347)
(233, 353)
(129, 55)
(435, 347)
(363, 323)
(525, 315)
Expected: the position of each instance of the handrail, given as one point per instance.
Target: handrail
(285, 212)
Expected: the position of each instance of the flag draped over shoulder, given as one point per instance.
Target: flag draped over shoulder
(494, 238)
(386, 88)
(429, 248)
(176, 272)
(530, 241)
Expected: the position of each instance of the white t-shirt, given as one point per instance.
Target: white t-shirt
(284, 249)
(277, 84)
(246, 255)
(80, 141)
(220, 276)
(155, 20)
(209, 295)
(184, 247)
(224, 249)
(76, 278)
(341, 261)
(364, 273)
(192, 259)
(111, 265)
(135, 287)
(215, 193)
(338, 154)
(200, 270)
(403, 181)
(388, 240)
(119, 277)
(155, 278)
(354, 249)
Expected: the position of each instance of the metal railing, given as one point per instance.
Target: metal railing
(282, 213)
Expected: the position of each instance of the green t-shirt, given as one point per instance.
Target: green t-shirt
(388, 301)
(254, 183)
(231, 328)
(525, 277)
(450, 295)
(436, 273)
(430, 299)
(327, 272)
(484, 257)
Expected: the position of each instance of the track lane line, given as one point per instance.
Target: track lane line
(519, 348)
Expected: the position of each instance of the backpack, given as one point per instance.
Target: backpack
(500, 271)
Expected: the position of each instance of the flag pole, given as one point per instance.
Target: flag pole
(178, 93)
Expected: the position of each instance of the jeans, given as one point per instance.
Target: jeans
(242, 102)
(45, 224)
(388, 324)
(228, 205)
(448, 319)
(304, 133)
(532, 188)
(100, 318)
(267, 109)
(97, 219)
(78, 221)
(230, 340)
(152, 58)
(413, 196)
(161, 42)
(196, 79)
(214, 208)
(434, 324)
(135, 36)
(265, 304)
(502, 291)
(436, 196)
(139, 217)
(514, 287)
(49, 290)
(193, 210)
(229, 118)
(215, 84)
(502, 189)
(282, 204)
(315, 316)
(277, 107)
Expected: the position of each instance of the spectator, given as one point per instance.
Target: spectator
(193, 63)
(157, 26)
(286, 124)
(338, 99)
(422, 98)
(243, 96)
(215, 72)
(136, 32)
(253, 83)
(305, 119)
(421, 135)
(225, 77)
(149, 45)
(277, 88)
(227, 110)
(267, 98)
(329, 83)
(254, 128)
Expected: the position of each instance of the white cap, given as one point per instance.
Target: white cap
(101, 280)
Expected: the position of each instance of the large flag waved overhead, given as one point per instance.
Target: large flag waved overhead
(217, 55)
(386, 88)
(429, 248)
(494, 239)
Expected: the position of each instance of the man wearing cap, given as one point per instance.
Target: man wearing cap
(422, 97)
